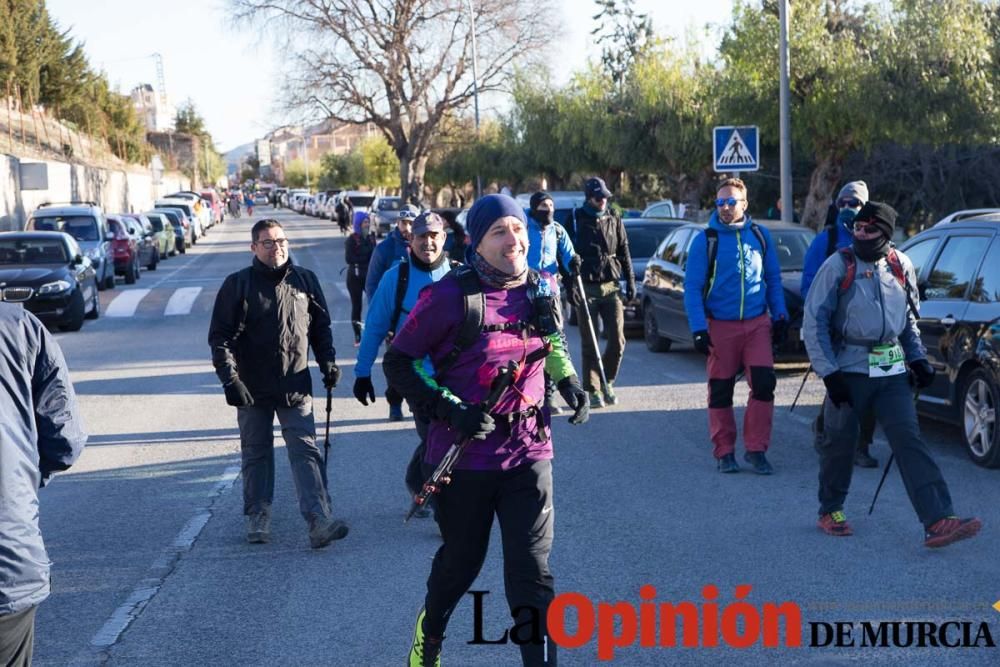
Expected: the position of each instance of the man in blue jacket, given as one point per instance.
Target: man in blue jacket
(728, 295)
(388, 253)
(42, 434)
(387, 312)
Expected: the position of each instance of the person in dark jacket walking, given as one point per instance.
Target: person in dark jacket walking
(600, 240)
(266, 318)
(358, 251)
(506, 470)
(344, 211)
(42, 435)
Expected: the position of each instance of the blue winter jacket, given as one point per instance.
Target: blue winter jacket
(548, 248)
(816, 254)
(381, 306)
(387, 254)
(40, 433)
(745, 284)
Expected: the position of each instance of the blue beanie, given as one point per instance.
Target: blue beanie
(485, 212)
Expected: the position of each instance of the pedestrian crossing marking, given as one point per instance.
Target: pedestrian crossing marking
(125, 304)
(735, 151)
(182, 300)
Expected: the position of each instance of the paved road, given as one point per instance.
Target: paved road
(151, 568)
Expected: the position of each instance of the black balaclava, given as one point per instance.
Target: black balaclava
(544, 218)
(882, 216)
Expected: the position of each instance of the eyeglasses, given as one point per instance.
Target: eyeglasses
(865, 226)
(849, 203)
(729, 201)
(270, 243)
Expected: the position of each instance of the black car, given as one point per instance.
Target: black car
(958, 276)
(644, 237)
(665, 320)
(49, 274)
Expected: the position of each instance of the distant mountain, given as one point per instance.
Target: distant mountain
(234, 155)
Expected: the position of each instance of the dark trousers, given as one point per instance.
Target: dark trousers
(866, 423)
(415, 468)
(393, 396)
(521, 498)
(17, 638)
(610, 311)
(257, 448)
(356, 288)
(892, 401)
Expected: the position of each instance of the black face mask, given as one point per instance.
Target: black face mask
(871, 250)
(544, 217)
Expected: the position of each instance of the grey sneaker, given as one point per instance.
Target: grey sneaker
(596, 401)
(322, 531)
(259, 527)
(609, 394)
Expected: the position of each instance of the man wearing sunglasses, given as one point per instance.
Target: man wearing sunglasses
(266, 318)
(736, 309)
(860, 330)
(835, 236)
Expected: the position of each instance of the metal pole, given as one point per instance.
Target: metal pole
(475, 91)
(584, 312)
(785, 132)
(305, 157)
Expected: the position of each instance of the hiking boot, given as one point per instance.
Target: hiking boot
(951, 529)
(425, 650)
(395, 413)
(322, 531)
(609, 394)
(727, 463)
(596, 401)
(759, 463)
(863, 459)
(835, 523)
(259, 527)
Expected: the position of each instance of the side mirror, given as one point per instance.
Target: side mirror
(77, 260)
(922, 291)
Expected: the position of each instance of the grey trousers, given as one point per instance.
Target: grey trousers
(892, 400)
(17, 638)
(257, 446)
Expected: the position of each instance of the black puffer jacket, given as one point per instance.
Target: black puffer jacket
(263, 324)
(602, 244)
(358, 251)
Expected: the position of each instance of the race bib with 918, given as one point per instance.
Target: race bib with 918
(886, 360)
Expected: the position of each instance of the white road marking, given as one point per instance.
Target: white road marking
(182, 300)
(124, 304)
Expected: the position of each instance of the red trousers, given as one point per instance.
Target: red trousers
(740, 345)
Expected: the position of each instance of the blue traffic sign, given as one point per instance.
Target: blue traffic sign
(736, 148)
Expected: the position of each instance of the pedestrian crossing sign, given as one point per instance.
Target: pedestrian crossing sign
(736, 148)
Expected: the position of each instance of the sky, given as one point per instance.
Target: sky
(233, 74)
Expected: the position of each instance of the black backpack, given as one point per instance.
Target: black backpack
(712, 251)
(402, 282)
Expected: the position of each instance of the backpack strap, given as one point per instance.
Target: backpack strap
(847, 254)
(402, 283)
(711, 252)
(475, 313)
(895, 266)
(761, 239)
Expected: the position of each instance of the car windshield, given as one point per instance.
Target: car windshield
(32, 251)
(80, 227)
(389, 204)
(642, 241)
(791, 247)
(361, 201)
(185, 209)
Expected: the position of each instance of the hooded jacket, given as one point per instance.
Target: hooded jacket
(387, 255)
(816, 254)
(746, 282)
(549, 247)
(40, 433)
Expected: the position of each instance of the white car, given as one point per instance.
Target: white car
(188, 207)
(202, 208)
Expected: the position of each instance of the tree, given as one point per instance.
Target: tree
(623, 35)
(189, 121)
(401, 65)
(381, 166)
(342, 171)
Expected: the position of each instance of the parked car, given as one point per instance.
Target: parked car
(664, 318)
(660, 209)
(330, 203)
(386, 212)
(361, 201)
(49, 274)
(965, 215)
(214, 201)
(644, 236)
(186, 207)
(141, 229)
(163, 234)
(85, 222)
(201, 208)
(124, 250)
(182, 227)
(958, 277)
(565, 202)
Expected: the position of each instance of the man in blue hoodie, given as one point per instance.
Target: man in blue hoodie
(427, 263)
(728, 298)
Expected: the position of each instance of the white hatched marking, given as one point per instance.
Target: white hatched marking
(182, 300)
(124, 304)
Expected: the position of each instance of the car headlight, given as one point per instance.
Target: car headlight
(94, 253)
(54, 287)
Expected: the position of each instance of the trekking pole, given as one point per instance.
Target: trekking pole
(916, 397)
(326, 443)
(801, 387)
(593, 334)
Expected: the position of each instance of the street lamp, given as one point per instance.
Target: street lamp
(475, 91)
(784, 122)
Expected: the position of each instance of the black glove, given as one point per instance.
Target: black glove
(702, 342)
(470, 420)
(331, 374)
(364, 390)
(576, 398)
(779, 331)
(923, 373)
(629, 291)
(237, 394)
(574, 265)
(836, 387)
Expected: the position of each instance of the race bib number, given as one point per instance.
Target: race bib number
(886, 360)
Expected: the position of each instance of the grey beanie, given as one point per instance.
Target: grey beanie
(854, 189)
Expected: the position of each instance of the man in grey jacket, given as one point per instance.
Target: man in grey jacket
(42, 434)
(860, 331)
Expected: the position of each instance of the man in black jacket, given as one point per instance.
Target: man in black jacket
(42, 434)
(600, 240)
(265, 319)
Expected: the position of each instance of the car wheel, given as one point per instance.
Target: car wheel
(194, 239)
(156, 260)
(109, 280)
(74, 321)
(95, 307)
(978, 415)
(132, 274)
(651, 332)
